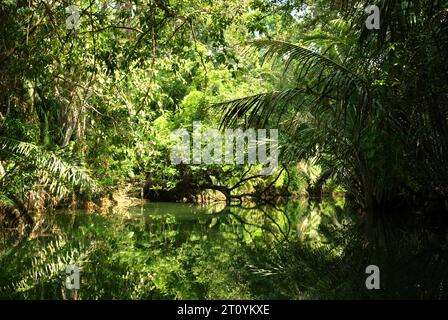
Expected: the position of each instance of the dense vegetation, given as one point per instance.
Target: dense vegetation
(87, 110)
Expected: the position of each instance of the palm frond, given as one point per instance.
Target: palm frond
(46, 265)
(306, 61)
(58, 173)
(317, 78)
(260, 108)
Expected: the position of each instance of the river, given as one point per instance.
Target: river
(295, 250)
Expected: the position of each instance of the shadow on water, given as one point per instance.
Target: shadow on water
(295, 250)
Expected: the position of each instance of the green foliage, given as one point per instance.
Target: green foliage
(335, 103)
(56, 173)
(86, 111)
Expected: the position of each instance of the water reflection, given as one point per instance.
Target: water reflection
(294, 250)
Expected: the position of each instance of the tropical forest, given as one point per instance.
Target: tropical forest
(223, 149)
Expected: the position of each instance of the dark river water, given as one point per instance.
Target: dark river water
(295, 250)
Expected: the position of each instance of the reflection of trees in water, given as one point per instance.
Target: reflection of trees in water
(412, 257)
(289, 250)
(411, 252)
(259, 218)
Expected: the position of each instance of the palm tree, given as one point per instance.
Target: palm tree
(48, 169)
(368, 105)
